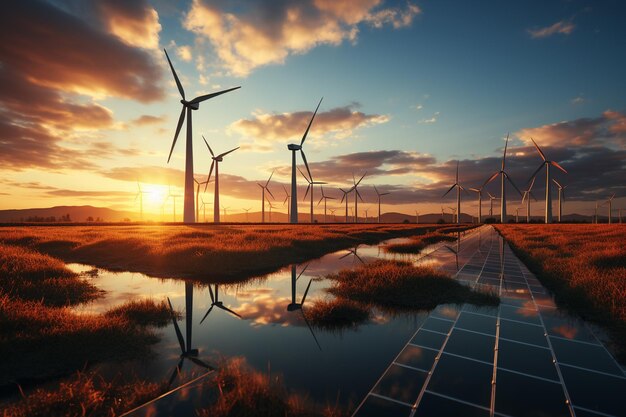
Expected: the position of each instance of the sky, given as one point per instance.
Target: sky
(88, 105)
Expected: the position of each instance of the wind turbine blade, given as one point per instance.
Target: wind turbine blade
(318, 203)
(358, 194)
(211, 294)
(493, 177)
(385, 194)
(178, 84)
(311, 330)
(504, 155)
(302, 272)
(270, 193)
(306, 291)
(307, 191)
(376, 189)
(209, 177)
(457, 172)
(208, 146)
(361, 179)
(230, 311)
(269, 179)
(343, 197)
(532, 183)
(557, 183)
(306, 132)
(226, 153)
(525, 196)
(306, 164)
(305, 177)
(476, 190)
(449, 189)
(532, 177)
(199, 362)
(179, 335)
(176, 372)
(558, 166)
(208, 96)
(207, 314)
(181, 119)
(512, 183)
(539, 150)
(285, 190)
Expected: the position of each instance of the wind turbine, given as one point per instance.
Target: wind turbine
(294, 306)
(547, 163)
(517, 209)
(561, 197)
(479, 191)
(203, 205)
(366, 210)
(188, 106)
(187, 352)
(458, 193)
(247, 211)
(325, 198)
(357, 194)
(216, 163)
(454, 214)
(491, 198)
(354, 253)
(503, 176)
(265, 188)
(332, 213)
(215, 302)
(595, 214)
(173, 197)
(294, 147)
(526, 197)
(140, 196)
(225, 208)
(379, 196)
(609, 202)
(310, 187)
(271, 207)
(286, 200)
(345, 197)
(198, 184)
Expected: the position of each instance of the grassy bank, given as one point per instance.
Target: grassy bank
(428, 236)
(401, 285)
(202, 252)
(584, 265)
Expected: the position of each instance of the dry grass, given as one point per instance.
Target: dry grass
(84, 394)
(145, 312)
(585, 265)
(182, 251)
(244, 392)
(401, 285)
(337, 314)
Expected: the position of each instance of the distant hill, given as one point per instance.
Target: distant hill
(81, 213)
(76, 214)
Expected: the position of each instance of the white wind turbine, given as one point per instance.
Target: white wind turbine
(203, 206)
(332, 213)
(265, 188)
(561, 198)
(310, 187)
(225, 208)
(357, 194)
(458, 193)
(198, 184)
(140, 196)
(503, 176)
(479, 191)
(286, 200)
(294, 147)
(216, 163)
(188, 106)
(526, 197)
(491, 198)
(173, 197)
(455, 217)
(325, 198)
(547, 163)
(379, 198)
(247, 212)
(609, 202)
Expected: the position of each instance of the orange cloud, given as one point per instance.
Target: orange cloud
(340, 121)
(271, 31)
(134, 22)
(563, 27)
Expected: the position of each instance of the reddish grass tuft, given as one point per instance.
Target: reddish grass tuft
(337, 314)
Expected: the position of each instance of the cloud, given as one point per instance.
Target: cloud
(562, 27)
(268, 32)
(578, 100)
(184, 53)
(609, 129)
(146, 120)
(48, 57)
(430, 120)
(135, 22)
(340, 121)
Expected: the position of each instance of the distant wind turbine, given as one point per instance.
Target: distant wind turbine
(609, 202)
(379, 196)
(491, 198)
(561, 198)
(332, 213)
(173, 197)
(547, 164)
(479, 191)
(140, 196)
(294, 147)
(503, 177)
(526, 197)
(517, 209)
(595, 214)
(325, 198)
(216, 163)
(310, 187)
(366, 210)
(265, 188)
(203, 206)
(247, 212)
(455, 217)
(215, 302)
(357, 194)
(458, 193)
(286, 200)
(198, 184)
(188, 106)
(345, 197)
(225, 208)
(295, 306)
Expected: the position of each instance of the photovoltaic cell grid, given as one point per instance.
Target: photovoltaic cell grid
(523, 358)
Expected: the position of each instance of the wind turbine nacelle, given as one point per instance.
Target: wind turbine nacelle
(294, 147)
(294, 307)
(193, 106)
(218, 159)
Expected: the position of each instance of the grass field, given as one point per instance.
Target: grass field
(585, 266)
(203, 253)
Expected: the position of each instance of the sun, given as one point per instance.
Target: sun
(155, 194)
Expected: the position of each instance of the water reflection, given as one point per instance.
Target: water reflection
(215, 302)
(294, 306)
(354, 254)
(186, 349)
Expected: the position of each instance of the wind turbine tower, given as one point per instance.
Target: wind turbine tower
(216, 163)
(357, 194)
(458, 194)
(265, 188)
(188, 106)
(503, 177)
(547, 163)
(561, 197)
(379, 196)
